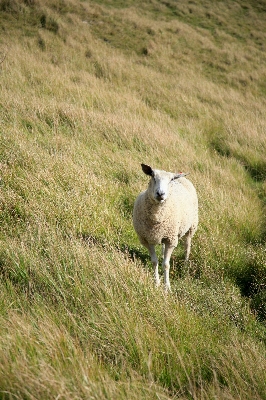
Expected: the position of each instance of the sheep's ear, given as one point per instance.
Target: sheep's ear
(180, 175)
(147, 169)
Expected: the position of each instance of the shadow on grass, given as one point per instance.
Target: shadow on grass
(251, 280)
(179, 268)
(255, 168)
(135, 253)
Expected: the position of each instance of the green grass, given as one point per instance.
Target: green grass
(89, 90)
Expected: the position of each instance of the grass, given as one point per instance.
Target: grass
(89, 90)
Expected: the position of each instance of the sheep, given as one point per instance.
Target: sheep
(163, 213)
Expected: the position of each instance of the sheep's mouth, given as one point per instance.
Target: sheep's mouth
(160, 199)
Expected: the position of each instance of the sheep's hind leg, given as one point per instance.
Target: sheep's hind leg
(188, 238)
(166, 265)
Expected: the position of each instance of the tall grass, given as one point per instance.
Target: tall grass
(89, 91)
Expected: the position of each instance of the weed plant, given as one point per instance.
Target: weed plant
(89, 90)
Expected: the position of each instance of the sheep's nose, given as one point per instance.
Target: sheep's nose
(160, 194)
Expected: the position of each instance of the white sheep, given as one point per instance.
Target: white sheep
(163, 213)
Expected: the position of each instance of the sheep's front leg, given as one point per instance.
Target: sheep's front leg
(166, 265)
(154, 261)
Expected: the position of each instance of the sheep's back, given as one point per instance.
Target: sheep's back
(188, 185)
(185, 207)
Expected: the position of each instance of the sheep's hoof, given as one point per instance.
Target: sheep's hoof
(157, 282)
(167, 289)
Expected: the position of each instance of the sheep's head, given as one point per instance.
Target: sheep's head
(160, 182)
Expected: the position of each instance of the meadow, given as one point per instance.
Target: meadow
(89, 90)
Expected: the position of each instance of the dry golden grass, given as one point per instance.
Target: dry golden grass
(89, 91)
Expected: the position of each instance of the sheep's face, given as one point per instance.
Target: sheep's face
(160, 182)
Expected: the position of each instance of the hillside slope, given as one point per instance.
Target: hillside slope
(89, 90)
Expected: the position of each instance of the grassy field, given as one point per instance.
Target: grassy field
(89, 90)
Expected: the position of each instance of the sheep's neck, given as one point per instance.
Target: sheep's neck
(157, 212)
